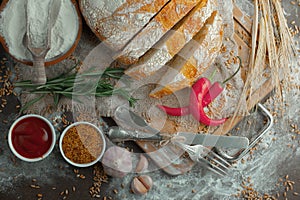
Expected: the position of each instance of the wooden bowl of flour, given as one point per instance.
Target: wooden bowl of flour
(63, 44)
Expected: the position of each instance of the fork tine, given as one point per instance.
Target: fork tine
(217, 171)
(220, 160)
(210, 152)
(214, 168)
(212, 161)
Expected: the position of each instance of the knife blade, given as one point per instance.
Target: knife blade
(124, 116)
(117, 134)
(236, 142)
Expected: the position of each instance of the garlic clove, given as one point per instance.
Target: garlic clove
(141, 184)
(142, 165)
(117, 162)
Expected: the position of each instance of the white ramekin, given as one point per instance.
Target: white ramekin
(85, 164)
(19, 155)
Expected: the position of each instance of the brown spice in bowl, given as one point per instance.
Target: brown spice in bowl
(82, 144)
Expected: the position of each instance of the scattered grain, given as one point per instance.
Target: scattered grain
(99, 178)
(81, 176)
(287, 177)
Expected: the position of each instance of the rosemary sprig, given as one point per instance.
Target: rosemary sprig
(73, 85)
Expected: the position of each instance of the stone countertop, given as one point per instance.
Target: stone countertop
(277, 156)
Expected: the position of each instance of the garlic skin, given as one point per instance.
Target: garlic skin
(117, 162)
(142, 165)
(141, 184)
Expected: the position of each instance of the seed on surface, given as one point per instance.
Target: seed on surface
(284, 194)
(81, 176)
(287, 177)
(35, 186)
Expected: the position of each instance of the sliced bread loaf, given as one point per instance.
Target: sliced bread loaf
(117, 21)
(193, 59)
(169, 15)
(173, 41)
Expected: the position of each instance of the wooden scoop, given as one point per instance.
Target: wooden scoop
(39, 53)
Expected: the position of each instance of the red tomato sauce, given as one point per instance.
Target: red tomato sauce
(31, 137)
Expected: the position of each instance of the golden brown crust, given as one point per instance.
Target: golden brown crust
(173, 41)
(193, 59)
(117, 25)
(170, 15)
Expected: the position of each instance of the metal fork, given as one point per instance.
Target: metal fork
(204, 155)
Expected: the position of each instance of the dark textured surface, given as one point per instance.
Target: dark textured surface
(19, 186)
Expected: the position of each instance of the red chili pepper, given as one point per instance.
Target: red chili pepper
(196, 106)
(175, 111)
(213, 92)
(181, 111)
(202, 94)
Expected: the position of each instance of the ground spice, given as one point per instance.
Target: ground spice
(82, 144)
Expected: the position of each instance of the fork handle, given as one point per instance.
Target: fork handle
(39, 77)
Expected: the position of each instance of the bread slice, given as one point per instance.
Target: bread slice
(172, 13)
(117, 21)
(173, 41)
(193, 59)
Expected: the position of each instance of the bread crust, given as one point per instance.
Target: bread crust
(116, 22)
(193, 59)
(170, 15)
(173, 41)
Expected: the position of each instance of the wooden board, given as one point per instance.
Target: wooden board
(164, 157)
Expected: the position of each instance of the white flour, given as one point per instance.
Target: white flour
(13, 27)
(38, 21)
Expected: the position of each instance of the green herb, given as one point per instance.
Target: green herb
(73, 85)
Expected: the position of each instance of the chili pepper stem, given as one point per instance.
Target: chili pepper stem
(230, 77)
